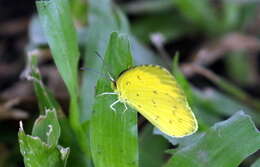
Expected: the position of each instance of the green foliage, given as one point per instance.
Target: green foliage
(238, 67)
(37, 153)
(62, 131)
(57, 24)
(47, 128)
(58, 27)
(79, 9)
(187, 17)
(205, 17)
(44, 96)
(193, 11)
(211, 105)
(41, 148)
(160, 22)
(217, 147)
(97, 39)
(97, 136)
(152, 148)
(113, 134)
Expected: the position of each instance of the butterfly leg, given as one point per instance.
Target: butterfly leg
(107, 93)
(112, 105)
(125, 107)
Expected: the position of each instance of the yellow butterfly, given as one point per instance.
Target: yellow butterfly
(154, 92)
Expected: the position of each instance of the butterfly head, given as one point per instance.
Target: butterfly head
(113, 85)
(113, 81)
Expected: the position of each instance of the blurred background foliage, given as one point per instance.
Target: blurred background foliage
(211, 46)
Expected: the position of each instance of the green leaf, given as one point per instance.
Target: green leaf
(58, 27)
(180, 142)
(45, 98)
(200, 13)
(220, 104)
(47, 128)
(100, 14)
(171, 28)
(113, 134)
(36, 153)
(152, 148)
(235, 15)
(77, 158)
(212, 19)
(79, 9)
(227, 143)
(181, 78)
(238, 67)
(141, 7)
(231, 15)
(57, 24)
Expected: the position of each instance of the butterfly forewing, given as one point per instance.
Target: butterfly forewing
(154, 92)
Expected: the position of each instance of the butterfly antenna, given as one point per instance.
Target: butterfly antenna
(106, 66)
(108, 77)
(101, 58)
